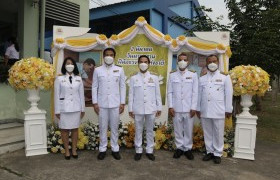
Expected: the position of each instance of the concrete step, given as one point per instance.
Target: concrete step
(10, 125)
(11, 137)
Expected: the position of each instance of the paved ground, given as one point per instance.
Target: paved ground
(14, 166)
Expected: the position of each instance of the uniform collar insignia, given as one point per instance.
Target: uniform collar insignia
(151, 80)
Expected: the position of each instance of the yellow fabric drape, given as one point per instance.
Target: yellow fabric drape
(127, 32)
(81, 42)
(153, 30)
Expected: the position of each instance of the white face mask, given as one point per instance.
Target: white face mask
(143, 66)
(69, 68)
(108, 60)
(212, 67)
(182, 64)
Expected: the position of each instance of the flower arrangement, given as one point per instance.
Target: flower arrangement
(31, 73)
(251, 80)
(198, 138)
(164, 138)
(55, 143)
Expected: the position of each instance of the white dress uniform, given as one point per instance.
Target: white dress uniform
(215, 99)
(69, 101)
(108, 91)
(144, 101)
(182, 97)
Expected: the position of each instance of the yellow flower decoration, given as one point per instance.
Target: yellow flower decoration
(114, 37)
(249, 80)
(221, 47)
(167, 37)
(181, 38)
(141, 19)
(57, 133)
(62, 151)
(174, 43)
(80, 145)
(54, 149)
(31, 73)
(60, 141)
(102, 37)
(59, 40)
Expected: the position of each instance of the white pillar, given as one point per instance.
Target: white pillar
(245, 137)
(35, 131)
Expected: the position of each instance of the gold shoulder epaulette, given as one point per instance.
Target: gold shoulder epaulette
(203, 74)
(192, 70)
(153, 73)
(118, 65)
(173, 71)
(60, 75)
(98, 66)
(224, 73)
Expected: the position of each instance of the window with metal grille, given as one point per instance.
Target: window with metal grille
(63, 11)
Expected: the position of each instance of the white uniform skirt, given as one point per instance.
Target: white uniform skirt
(69, 120)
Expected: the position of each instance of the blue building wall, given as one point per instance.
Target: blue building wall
(156, 19)
(184, 10)
(174, 30)
(160, 13)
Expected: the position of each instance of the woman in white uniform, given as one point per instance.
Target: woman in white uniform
(69, 104)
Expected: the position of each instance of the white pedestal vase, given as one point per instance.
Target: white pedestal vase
(35, 129)
(245, 131)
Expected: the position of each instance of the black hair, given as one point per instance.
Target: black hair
(182, 54)
(145, 56)
(13, 40)
(212, 55)
(63, 69)
(109, 49)
(89, 61)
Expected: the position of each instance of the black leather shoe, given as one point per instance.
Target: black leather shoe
(116, 155)
(217, 159)
(101, 155)
(178, 153)
(137, 156)
(67, 157)
(208, 157)
(189, 155)
(75, 156)
(151, 156)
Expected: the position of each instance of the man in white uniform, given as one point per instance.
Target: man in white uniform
(182, 103)
(108, 98)
(214, 104)
(144, 105)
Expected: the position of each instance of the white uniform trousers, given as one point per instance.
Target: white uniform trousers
(213, 130)
(183, 130)
(109, 116)
(149, 120)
